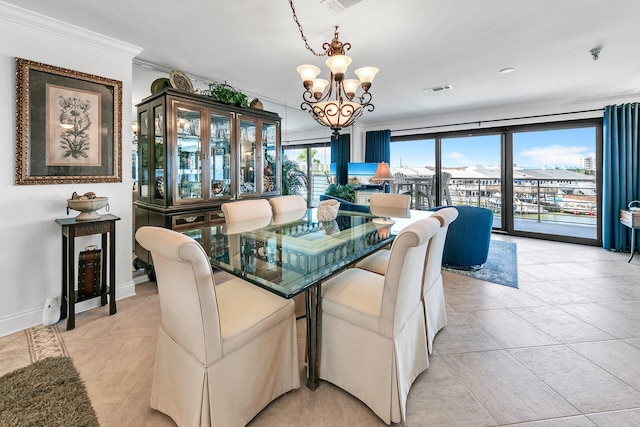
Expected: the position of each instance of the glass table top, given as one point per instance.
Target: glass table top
(288, 253)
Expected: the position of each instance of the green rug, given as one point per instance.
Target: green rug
(47, 393)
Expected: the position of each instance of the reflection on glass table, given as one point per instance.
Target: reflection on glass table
(286, 258)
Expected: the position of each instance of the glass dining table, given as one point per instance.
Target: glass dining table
(293, 253)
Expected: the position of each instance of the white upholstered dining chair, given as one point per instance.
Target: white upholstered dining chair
(390, 204)
(223, 352)
(433, 290)
(390, 200)
(289, 203)
(245, 210)
(373, 337)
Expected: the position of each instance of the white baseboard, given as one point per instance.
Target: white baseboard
(140, 279)
(20, 321)
(33, 317)
(125, 290)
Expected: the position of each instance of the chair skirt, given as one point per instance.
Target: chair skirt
(246, 380)
(377, 369)
(434, 311)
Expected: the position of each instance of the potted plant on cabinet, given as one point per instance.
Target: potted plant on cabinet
(226, 94)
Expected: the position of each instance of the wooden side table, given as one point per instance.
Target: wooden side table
(106, 226)
(631, 219)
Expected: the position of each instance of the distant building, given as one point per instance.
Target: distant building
(588, 163)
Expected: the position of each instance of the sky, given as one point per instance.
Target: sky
(541, 149)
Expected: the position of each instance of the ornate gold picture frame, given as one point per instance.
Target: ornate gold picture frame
(68, 126)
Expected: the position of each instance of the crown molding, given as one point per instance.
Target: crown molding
(35, 20)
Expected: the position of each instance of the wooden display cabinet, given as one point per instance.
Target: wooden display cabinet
(194, 154)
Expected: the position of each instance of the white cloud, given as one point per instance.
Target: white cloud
(459, 157)
(556, 155)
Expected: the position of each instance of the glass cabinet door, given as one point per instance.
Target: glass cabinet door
(143, 146)
(220, 155)
(269, 157)
(247, 157)
(160, 179)
(188, 155)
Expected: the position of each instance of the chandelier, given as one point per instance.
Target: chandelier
(334, 103)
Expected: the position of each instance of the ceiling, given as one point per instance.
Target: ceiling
(255, 46)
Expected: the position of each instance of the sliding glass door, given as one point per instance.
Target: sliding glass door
(540, 180)
(554, 182)
(312, 162)
(471, 173)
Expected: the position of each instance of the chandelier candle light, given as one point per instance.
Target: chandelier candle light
(334, 103)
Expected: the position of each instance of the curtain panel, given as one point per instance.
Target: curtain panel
(341, 156)
(621, 176)
(378, 146)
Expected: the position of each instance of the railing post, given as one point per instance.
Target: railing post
(538, 197)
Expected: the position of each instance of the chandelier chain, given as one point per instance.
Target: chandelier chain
(306, 43)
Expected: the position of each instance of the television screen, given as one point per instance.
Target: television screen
(360, 174)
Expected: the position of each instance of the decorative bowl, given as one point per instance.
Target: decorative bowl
(328, 210)
(88, 207)
(159, 84)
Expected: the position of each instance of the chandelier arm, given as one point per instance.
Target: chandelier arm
(338, 92)
(308, 97)
(365, 98)
(304, 38)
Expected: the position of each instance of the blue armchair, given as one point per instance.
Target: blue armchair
(468, 238)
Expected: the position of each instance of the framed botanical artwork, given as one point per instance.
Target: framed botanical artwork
(68, 126)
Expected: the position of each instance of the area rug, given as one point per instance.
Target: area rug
(47, 393)
(501, 266)
(45, 341)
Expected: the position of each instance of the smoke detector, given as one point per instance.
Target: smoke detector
(339, 5)
(439, 88)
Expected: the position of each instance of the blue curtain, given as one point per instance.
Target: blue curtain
(621, 177)
(378, 146)
(341, 155)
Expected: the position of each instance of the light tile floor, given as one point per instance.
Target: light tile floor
(563, 350)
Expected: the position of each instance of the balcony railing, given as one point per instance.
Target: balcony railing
(539, 205)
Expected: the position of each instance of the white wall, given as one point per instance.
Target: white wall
(30, 240)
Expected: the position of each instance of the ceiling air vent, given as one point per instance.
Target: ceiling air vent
(339, 5)
(439, 88)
